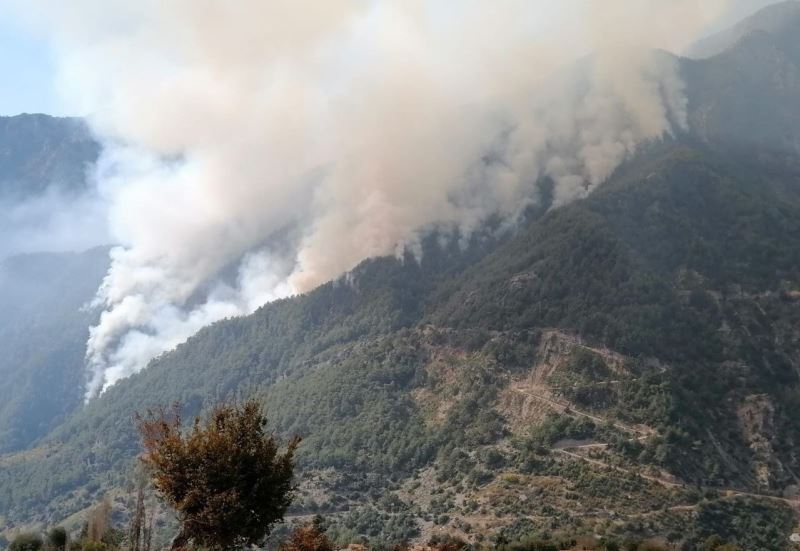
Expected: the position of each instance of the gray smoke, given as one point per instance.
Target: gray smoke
(353, 126)
(54, 221)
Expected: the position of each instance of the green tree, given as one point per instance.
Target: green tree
(225, 478)
(57, 538)
(712, 542)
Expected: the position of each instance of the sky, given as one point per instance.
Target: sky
(27, 70)
(739, 10)
(28, 74)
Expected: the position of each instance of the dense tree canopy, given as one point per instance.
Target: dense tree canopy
(225, 477)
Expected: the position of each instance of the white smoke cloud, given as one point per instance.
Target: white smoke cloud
(348, 127)
(53, 221)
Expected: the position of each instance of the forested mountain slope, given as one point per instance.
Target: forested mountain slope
(626, 364)
(774, 18)
(39, 151)
(43, 330)
(666, 305)
(43, 326)
(745, 98)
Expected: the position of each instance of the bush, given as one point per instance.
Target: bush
(307, 538)
(26, 542)
(57, 538)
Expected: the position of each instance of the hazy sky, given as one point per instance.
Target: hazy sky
(740, 9)
(27, 70)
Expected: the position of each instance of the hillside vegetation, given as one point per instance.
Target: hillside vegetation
(38, 152)
(43, 332)
(626, 365)
(641, 342)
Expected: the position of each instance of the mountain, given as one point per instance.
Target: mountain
(40, 151)
(629, 329)
(775, 18)
(43, 330)
(746, 96)
(626, 365)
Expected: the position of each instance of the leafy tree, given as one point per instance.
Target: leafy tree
(307, 538)
(57, 538)
(26, 542)
(225, 477)
(532, 545)
(717, 543)
(447, 542)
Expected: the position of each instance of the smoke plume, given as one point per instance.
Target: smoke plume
(287, 140)
(54, 221)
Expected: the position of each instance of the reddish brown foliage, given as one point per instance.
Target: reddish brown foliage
(307, 538)
(225, 478)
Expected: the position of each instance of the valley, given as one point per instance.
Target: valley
(620, 367)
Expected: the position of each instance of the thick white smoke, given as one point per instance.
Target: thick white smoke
(287, 140)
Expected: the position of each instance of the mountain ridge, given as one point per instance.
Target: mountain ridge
(43, 331)
(358, 390)
(769, 19)
(38, 151)
(627, 364)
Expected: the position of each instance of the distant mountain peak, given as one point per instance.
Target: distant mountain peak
(771, 19)
(39, 151)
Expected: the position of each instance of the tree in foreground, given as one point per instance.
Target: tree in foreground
(225, 477)
(57, 538)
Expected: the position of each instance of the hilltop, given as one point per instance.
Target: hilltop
(39, 151)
